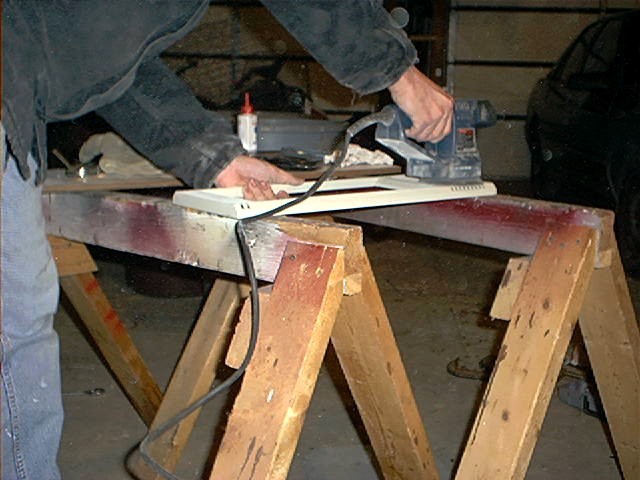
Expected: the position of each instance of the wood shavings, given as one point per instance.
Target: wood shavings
(357, 155)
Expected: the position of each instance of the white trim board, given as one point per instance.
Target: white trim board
(394, 190)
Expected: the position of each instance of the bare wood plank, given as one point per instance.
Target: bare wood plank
(194, 373)
(509, 288)
(71, 257)
(506, 298)
(517, 396)
(610, 330)
(264, 426)
(372, 365)
(352, 284)
(58, 181)
(240, 341)
(115, 344)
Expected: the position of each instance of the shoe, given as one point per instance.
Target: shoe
(581, 394)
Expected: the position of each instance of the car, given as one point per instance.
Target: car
(583, 127)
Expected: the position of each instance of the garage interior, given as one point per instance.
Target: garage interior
(438, 293)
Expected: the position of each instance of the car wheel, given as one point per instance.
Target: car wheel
(545, 183)
(628, 224)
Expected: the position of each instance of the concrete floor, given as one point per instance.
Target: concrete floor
(437, 294)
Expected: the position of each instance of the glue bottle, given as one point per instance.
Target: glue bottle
(247, 126)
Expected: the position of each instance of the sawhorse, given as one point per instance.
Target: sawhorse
(575, 272)
(76, 270)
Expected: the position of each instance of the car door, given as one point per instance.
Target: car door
(624, 117)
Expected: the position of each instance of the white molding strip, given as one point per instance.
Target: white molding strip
(379, 191)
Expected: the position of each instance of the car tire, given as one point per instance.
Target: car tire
(544, 182)
(627, 224)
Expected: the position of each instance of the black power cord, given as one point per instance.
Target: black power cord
(386, 117)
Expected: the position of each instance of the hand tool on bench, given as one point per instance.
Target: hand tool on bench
(446, 170)
(453, 160)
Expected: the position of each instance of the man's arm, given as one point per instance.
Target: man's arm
(358, 43)
(161, 118)
(429, 106)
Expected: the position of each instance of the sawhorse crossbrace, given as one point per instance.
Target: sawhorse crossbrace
(324, 290)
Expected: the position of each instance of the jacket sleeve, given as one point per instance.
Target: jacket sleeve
(161, 118)
(356, 41)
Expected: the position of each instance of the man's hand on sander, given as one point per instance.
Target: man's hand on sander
(255, 176)
(429, 106)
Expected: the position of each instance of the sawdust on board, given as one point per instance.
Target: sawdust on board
(357, 155)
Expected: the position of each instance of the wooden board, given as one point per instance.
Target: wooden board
(502, 222)
(385, 400)
(194, 373)
(240, 341)
(58, 181)
(156, 227)
(265, 423)
(515, 402)
(114, 342)
(71, 257)
(344, 194)
(371, 362)
(610, 330)
(509, 288)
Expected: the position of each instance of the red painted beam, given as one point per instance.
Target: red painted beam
(501, 222)
(155, 227)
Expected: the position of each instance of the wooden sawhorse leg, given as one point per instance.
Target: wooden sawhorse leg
(204, 348)
(548, 304)
(559, 285)
(610, 331)
(194, 373)
(297, 320)
(75, 269)
(369, 357)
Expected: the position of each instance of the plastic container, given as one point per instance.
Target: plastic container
(247, 126)
(279, 131)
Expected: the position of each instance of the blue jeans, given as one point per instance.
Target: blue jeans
(31, 394)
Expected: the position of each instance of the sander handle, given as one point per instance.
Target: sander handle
(399, 121)
(403, 118)
(390, 132)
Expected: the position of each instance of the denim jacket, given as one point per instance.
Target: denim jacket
(63, 59)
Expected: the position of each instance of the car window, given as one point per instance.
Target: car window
(629, 95)
(602, 51)
(594, 53)
(573, 61)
